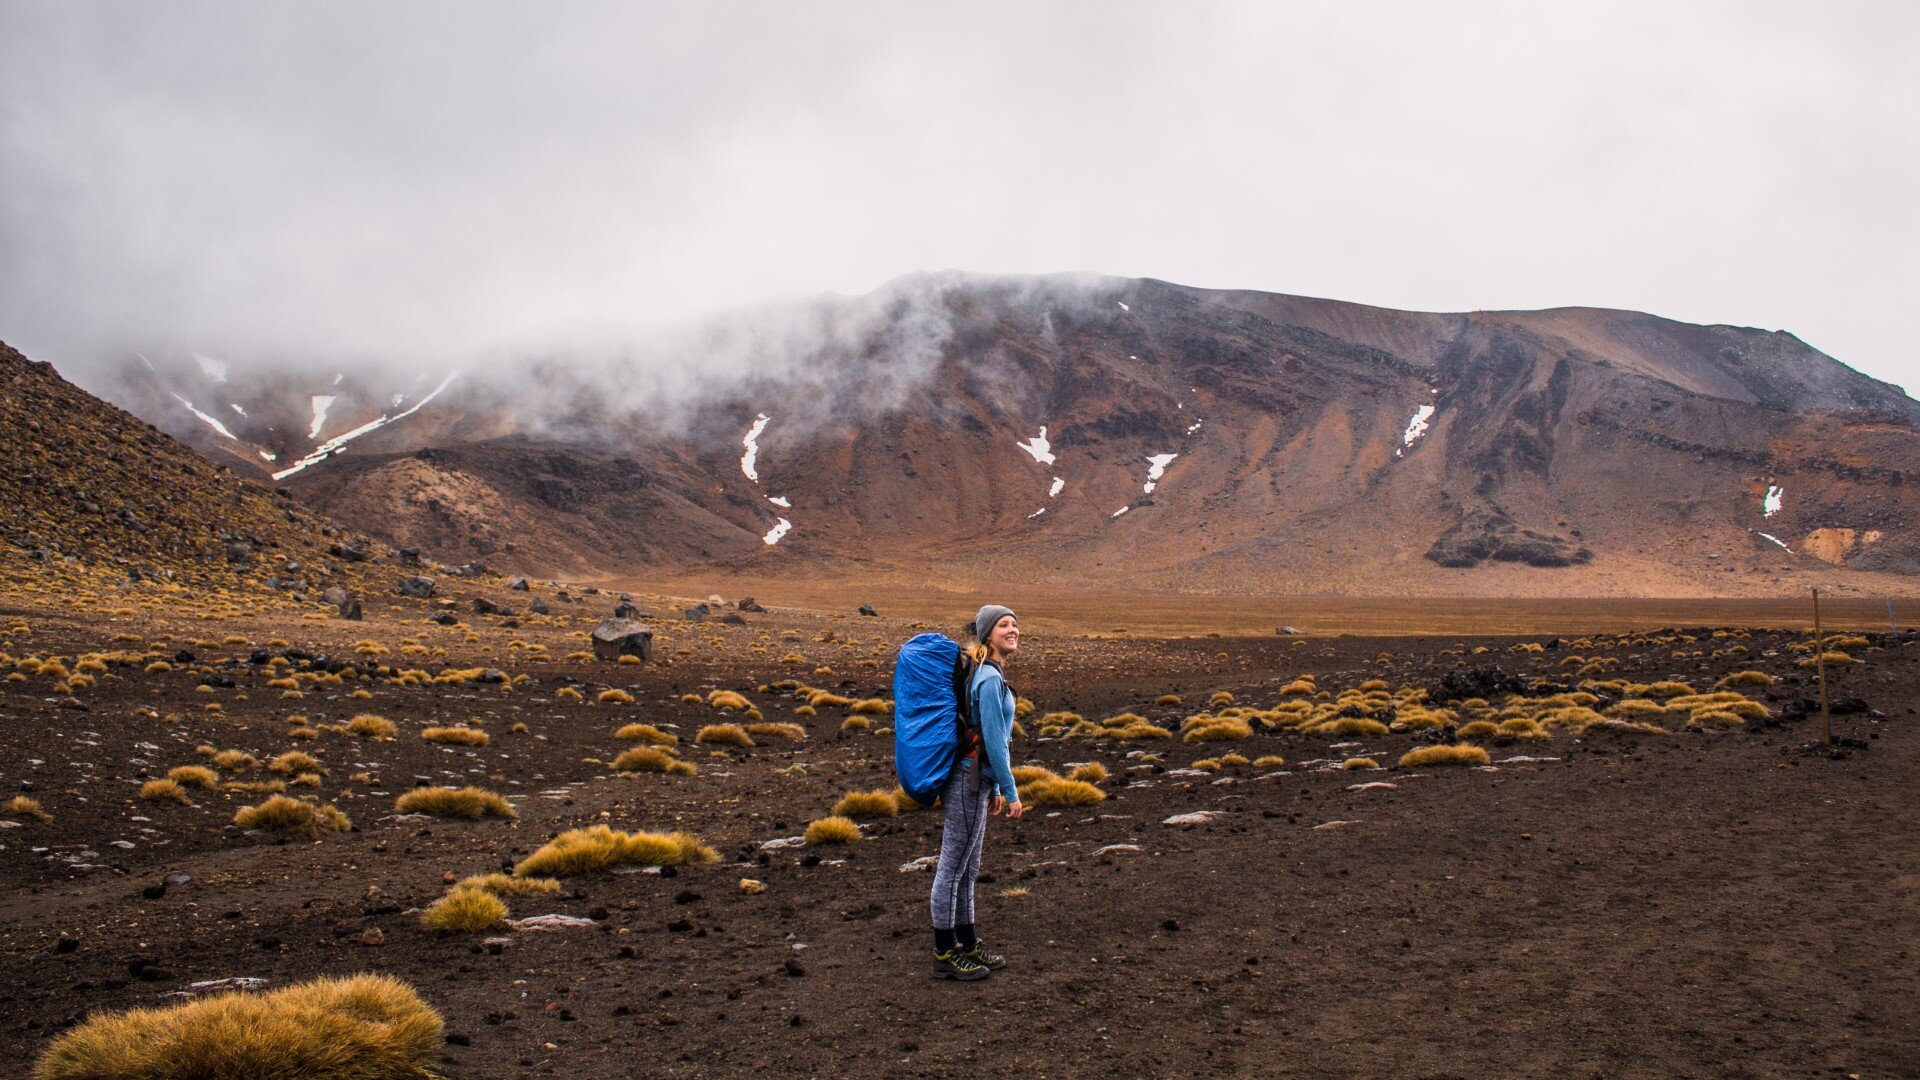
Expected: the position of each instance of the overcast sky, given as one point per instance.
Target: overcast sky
(431, 182)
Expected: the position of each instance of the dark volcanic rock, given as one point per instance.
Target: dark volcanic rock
(1482, 682)
(622, 637)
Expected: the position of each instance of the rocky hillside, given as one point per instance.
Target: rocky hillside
(89, 493)
(1134, 432)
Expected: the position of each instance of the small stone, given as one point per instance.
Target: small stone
(373, 935)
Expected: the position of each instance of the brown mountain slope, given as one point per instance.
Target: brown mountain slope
(92, 495)
(1317, 446)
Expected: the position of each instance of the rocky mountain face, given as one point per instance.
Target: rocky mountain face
(91, 495)
(1124, 432)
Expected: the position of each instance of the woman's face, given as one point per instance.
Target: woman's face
(1004, 638)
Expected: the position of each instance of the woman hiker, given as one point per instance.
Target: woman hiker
(981, 787)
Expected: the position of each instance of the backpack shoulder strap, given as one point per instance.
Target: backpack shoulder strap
(963, 671)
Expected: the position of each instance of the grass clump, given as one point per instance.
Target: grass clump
(652, 759)
(724, 735)
(235, 761)
(646, 733)
(369, 726)
(1478, 729)
(465, 910)
(1350, 725)
(580, 851)
(1359, 763)
(614, 696)
(507, 885)
(856, 723)
(1091, 772)
(789, 732)
(459, 734)
(1167, 699)
(294, 761)
(729, 701)
(1058, 791)
(859, 804)
(1422, 757)
(1744, 678)
(831, 830)
(873, 706)
(194, 776)
(471, 803)
(1269, 761)
(164, 791)
(292, 818)
(361, 1027)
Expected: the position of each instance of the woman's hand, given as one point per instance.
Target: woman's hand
(998, 805)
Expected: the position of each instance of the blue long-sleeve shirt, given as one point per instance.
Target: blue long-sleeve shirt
(992, 703)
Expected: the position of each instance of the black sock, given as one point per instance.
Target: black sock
(942, 940)
(963, 934)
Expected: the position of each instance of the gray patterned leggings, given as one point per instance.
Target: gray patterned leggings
(962, 834)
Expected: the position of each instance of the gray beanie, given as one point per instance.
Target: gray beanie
(983, 622)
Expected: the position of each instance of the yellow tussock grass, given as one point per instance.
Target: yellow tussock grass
(508, 885)
(25, 806)
(1167, 699)
(568, 693)
(369, 726)
(580, 851)
(729, 700)
(1665, 690)
(1524, 727)
(1233, 759)
(906, 804)
(1219, 698)
(1141, 730)
(459, 735)
(362, 1027)
(1632, 708)
(1269, 761)
(294, 761)
(806, 710)
(856, 723)
(1831, 656)
(1705, 719)
(859, 804)
(1359, 763)
(1058, 792)
(1372, 685)
(831, 830)
(1299, 687)
(1062, 719)
(724, 735)
(471, 803)
(1422, 757)
(789, 732)
(1350, 725)
(292, 817)
(193, 776)
(466, 911)
(255, 787)
(1478, 729)
(873, 706)
(164, 791)
(652, 759)
(1092, 772)
(1027, 774)
(615, 696)
(235, 761)
(1744, 678)
(646, 733)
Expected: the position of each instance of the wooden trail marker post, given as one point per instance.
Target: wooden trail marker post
(1892, 627)
(1820, 668)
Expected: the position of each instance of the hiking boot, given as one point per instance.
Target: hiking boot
(992, 961)
(955, 964)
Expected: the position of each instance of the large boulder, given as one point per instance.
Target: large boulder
(616, 638)
(418, 586)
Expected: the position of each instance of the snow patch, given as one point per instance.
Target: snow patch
(1771, 504)
(1039, 447)
(321, 403)
(331, 446)
(774, 534)
(1036, 513)
(337, 376)
(211, 368)
(397, 399)
(1055, 489)
(1417, 426)
(1195, 426)
(752, 443)
(1777, 540)
(1156, 468)
(211, 422)
(236, 408)
(1120, 511)
(781, 501)
(268, 457)
(1123, 306)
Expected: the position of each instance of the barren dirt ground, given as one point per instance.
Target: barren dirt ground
(1730, 902)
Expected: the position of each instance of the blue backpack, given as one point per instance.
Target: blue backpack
(932, 718)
